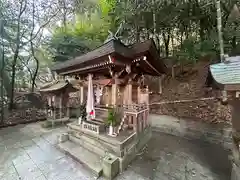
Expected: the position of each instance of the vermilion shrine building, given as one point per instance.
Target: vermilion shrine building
(116, 72)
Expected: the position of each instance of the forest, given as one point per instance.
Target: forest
(36, 33)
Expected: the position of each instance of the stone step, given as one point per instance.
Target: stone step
(79, 153)
(89, 145)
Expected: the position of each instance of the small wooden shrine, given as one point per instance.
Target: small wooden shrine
(110, 77)
(226, 77)
(57, 98)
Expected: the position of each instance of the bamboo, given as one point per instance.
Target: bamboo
(219, 25)
(2, 71)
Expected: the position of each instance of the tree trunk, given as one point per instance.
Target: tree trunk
(201, 30)
(15, 57)
(32, 49)
(137, 33)
(11, 103)
(6, 80)
(158, 44)
(166, 38)
(181, 39)
(35, 75)
(234, 39)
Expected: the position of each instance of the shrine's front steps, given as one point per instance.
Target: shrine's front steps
(79, 153)
(120, 151)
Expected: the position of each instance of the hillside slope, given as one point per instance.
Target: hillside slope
(188, 87)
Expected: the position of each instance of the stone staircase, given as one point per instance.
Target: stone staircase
(81, 148)
(89, 142)
(79, 153)
(86, 148)
(99, 152)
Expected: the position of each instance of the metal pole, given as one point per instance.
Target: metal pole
(219, 25)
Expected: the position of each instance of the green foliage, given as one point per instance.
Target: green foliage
(87, 32)
(187, 51)
(107, 6)
(193, 49)
(67, 45)
(113, 118)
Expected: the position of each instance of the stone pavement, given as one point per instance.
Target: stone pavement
(27, 152)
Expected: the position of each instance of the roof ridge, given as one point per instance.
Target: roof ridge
(74, 59)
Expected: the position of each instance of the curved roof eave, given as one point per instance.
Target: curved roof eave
(227, 73)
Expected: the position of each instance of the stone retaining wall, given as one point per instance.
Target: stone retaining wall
(23, 116)
(218, 134)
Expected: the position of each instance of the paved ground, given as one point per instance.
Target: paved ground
(27, 152)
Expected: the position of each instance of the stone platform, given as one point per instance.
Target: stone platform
(102, 153)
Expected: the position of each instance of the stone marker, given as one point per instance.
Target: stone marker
(110, 167)
(63, 137)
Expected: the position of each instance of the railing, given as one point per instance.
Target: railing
(135, 108)
(135, 116)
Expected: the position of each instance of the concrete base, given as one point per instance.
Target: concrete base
(63, 137)
(116, 153)
(139, 142)
(235, 172)
(110, 166)
(192, 129)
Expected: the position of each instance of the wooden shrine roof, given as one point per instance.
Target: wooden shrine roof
(57, 86)
(103, 50)
(98, 58)
(225, 75)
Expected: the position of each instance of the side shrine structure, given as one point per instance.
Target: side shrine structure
(109, 82)
(225, 76)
